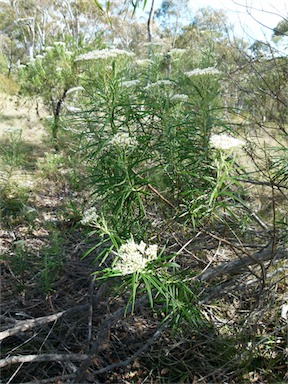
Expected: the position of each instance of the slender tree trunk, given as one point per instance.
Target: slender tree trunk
(56, 123)
(149, 29)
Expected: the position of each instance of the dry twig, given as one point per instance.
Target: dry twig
(46, 357)
(25, 325)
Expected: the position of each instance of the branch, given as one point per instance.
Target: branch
(136, 354)
(102, 335)
(155, 191)
(237, 266)
(25, 325)
(48, 357)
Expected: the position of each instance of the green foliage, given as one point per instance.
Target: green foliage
(54, 68)
(279, 166)
(51, 262)
(11, 149)
(281, 29)
(51, 165)
(147, 135)
(147, 146)
(50, 75)
(15, 207)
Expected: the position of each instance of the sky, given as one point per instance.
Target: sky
(252, 19)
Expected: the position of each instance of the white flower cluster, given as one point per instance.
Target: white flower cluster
(159, 83)
(123, 140)
(129, 83)
(225, 142)
(144, 62)
(179, 97)
(72, 109)
(177, 51)
(103, 54)
(203, 71)
(90, 217)
(135, 257)
(75, 89)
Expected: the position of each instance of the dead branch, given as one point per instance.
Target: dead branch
(237, 266)
(102, 335)
(25, 325)
(136, 354)
(47, 357)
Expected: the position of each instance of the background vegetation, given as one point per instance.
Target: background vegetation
(143, 210)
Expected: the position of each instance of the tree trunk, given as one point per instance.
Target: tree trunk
(55, 127)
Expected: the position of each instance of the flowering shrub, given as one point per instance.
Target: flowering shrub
(148, 142)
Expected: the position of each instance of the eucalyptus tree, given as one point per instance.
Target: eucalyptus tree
(34, 24)
(173, 15)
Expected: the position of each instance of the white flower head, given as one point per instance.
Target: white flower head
(159, 83)
(39, 57)
(31, 62)
(123, 140)
(103, 54)
(178, 51)
(225, 142)
(90, 217)
(179, 97)
(75, 89)
(72, 109)
(135, 257)
(144, 62)
(203, 71)
(129, 83)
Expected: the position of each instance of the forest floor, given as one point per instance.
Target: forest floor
(44, 274)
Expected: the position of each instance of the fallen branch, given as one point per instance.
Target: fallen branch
(102, 335)
(25, 325)
(124, 363)
(237, 266)
(47, 357)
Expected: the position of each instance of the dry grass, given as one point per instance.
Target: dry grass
(18, 112)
